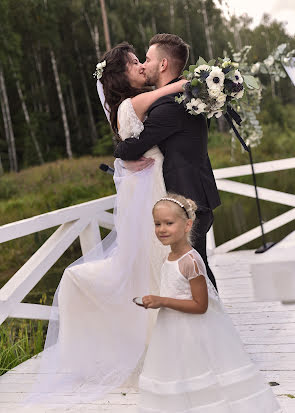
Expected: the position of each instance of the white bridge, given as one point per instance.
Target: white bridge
(267, 328)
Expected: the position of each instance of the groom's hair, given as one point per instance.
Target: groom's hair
(174, 48)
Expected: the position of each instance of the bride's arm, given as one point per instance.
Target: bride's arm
(142, 102)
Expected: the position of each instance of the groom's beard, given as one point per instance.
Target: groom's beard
(151, 80)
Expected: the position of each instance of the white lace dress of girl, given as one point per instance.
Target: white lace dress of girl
(196, 363)
(101, 335)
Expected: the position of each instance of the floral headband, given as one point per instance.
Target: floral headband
(99, 69)
(176, 202)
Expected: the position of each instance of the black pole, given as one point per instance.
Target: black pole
(231, 115)
(266, 245)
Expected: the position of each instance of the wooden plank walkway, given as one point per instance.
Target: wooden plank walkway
(266, 328)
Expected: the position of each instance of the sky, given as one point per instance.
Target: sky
(281, 10)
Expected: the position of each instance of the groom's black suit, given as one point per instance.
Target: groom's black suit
(182, 138)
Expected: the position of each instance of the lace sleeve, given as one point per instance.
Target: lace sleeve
(130, 125)
(189, 267)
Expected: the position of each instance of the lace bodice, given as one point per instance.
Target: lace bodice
(175, 276)
(130, 125)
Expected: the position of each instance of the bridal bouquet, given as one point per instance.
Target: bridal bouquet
(212, 86)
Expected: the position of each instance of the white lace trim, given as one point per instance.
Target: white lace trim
(130, 125)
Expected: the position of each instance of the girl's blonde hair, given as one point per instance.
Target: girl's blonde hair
(186, 207)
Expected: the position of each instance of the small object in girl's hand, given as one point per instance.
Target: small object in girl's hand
(138, 301)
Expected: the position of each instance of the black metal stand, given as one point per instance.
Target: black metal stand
(231, 115)
(266, 245)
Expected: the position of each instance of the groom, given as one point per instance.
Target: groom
(181, 137)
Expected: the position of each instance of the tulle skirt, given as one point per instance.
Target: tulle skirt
(197, 364)
(98, 340)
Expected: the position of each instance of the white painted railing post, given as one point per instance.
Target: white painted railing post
(90, 236)
(211, 241)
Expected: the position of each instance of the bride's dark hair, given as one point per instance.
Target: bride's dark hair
(115, 82)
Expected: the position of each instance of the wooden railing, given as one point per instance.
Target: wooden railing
(81, 221)
(84, 221)
(224, 184)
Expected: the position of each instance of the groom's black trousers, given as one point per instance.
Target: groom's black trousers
(202, 225)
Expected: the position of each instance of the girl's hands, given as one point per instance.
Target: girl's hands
(152, 301)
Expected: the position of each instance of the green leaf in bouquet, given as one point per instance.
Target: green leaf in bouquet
(185, 73)
(195, 82)
(192, 68)
(230, 75)
(251, 82)
(211, 62)
(201, 61)
(243, 99)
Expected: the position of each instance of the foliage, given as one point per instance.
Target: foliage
(273, 64)
(29, 29)
(20, 340)
(249, 107)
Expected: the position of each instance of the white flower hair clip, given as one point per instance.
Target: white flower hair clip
(99, 69)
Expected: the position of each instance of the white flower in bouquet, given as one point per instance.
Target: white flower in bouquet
(199, 69)
(217, 114)
(212, 86)
(215, 78)
(221, 99)
(214, 92)
(196, 106)
(240, 94)
(237, 77)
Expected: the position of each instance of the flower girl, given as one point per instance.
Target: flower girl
(195, 362)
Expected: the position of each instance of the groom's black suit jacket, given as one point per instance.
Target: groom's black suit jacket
(182, 138)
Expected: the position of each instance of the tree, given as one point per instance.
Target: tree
(105, 25)
(7, 123)
(62, 105)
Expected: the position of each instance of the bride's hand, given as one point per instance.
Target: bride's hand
(139, 165)
(180, 83)
(152, 301)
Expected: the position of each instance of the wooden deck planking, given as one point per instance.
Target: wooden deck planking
(266, 328)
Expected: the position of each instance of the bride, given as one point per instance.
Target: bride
(99, 340)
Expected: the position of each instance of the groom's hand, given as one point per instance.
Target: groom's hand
(139, 165)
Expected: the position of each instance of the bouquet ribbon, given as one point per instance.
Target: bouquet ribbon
(231, 115)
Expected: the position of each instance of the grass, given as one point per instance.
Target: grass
(20, 340)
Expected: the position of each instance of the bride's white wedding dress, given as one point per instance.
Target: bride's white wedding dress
(101, 335)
